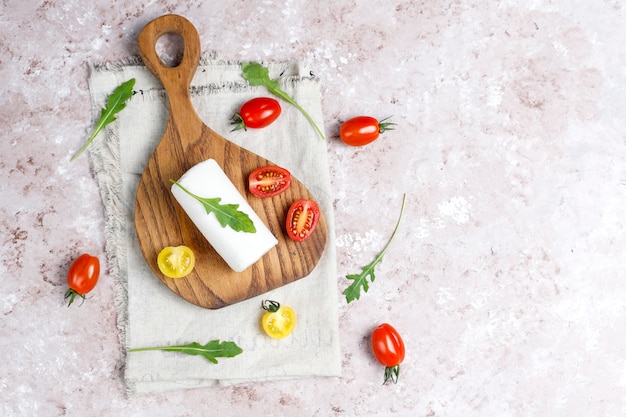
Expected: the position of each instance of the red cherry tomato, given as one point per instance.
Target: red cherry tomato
(362, 130)
(388, 349)
(82, 276)
(302, 219)
(257, 113)
(269, 181)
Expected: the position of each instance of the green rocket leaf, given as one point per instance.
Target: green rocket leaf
(353, 292)
(212, 350)
(226, 214)
(116, 102)
(258, 75)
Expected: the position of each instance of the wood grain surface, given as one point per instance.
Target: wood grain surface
(161, 222)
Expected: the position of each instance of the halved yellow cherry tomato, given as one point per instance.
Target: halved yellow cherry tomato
(176, 261)
(278, 321)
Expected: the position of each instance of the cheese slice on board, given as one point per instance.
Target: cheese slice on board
(239, 249)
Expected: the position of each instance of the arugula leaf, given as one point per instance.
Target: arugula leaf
(211, 350)
(353, 292)
(258, 75)
(116, 102)
(226, 214)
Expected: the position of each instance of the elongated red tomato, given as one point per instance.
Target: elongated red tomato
(82, 276)
(362, 130)
(388, 349)
(302, 219)
(257, 113)
(269, 181)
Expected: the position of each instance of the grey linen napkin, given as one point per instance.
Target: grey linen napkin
(149, 314)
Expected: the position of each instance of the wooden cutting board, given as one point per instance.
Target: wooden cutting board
(161, 222)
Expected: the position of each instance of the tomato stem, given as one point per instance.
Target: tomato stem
(238, 120)
(392, 373)
(384, 126)
(72, 294)
(271, 306)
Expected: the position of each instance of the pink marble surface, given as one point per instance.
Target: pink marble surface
(506, 279)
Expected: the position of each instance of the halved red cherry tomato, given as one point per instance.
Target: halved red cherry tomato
(82, 276)
(362, 130)
(257, 113)
(269, 181)
(302, 219)
(388, 349)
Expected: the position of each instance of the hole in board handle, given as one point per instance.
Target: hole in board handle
(170, 48)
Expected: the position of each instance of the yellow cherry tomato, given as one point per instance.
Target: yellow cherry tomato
(278, 321)
(176, 261)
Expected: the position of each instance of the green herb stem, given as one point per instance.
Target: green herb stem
(395, 230)
(288, 99)
(210, 351)
(353, 292)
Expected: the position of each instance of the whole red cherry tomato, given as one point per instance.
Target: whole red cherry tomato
(82, 276)
(302, 219)
(257, 113)
(269, 181)
(388, 349)
(362, 130)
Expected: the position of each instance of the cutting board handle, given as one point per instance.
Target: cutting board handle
(177, 79)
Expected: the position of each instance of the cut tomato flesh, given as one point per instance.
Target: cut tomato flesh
(176, 262)
(269, 181)
(302, 219)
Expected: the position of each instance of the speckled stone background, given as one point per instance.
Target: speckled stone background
(506, 278)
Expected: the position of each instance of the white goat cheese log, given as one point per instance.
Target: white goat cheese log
(239, 249)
